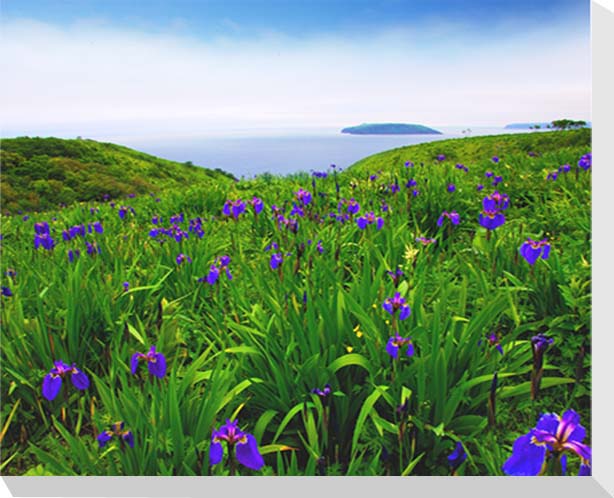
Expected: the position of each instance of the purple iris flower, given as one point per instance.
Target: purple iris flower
(297, 210)
(117, 429)
(373, 178)
(323, 393)
(586, 161)
(497, 180)
(425, 241)
(488, 174)
(234, 208)
(441, 157)
(182, 258)
(96, 226)
(257, 204)
(492, 340)
(409, 164)
(126, 286)
(42, 237)
(457, 457)
(177, 218)
(491, 219)
(396, 342)
(395, 275)
(52, 383)
(6, 291)
(156, 220)
(565, 168)
(394, 188)
(415, 193)
(92, 248)
(462, 167)
(451, 187)
(411, 183)
(352, 206)
(156, 362)
(552, 437)
(73, 254)
(122, 212)
(276, 260)
(454, 217)
(495, 159)
(531, 250)
(220, 264)
(45, 241)
(392, 304)
(495, 202)
(41, 228)
(304, 196)
(369, 219)
(480, 187)
(319, 247)
(245, 446)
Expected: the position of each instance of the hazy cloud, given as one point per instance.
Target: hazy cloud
(90, 74)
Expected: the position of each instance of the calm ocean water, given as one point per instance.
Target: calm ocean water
(244, 155)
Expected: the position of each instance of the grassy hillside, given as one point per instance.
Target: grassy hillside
(550, 145)
(344, 328)
(40, 173)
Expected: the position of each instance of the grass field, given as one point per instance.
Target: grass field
(383, 320)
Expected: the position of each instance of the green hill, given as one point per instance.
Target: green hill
(40, 173)
(465, 150)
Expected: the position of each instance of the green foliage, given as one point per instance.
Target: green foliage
(42, 173)
(254, 347)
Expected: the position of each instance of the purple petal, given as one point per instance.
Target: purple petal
(134, 362)
(248, 454)
(392, 348)
(104, 438)
(216, 453)
(548, 422)
(129, 438)
(527, 459)
(405, 312)
(79, 379)
(214, 273)
(51, 386)
(410, 349)
(157, 367)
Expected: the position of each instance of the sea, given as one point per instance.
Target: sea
(246, 153)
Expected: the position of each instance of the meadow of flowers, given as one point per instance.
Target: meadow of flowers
(426, 312)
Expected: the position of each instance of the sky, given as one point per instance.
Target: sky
(185, 66)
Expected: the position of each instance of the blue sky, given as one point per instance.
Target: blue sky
(207, 18)
(253, 64)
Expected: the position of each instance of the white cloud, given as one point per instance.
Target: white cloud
(90, 75)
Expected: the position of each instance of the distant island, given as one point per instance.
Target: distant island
(390, 129)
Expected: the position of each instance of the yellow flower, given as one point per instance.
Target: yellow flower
(410, 252)
(349, 349)
(357, 331)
